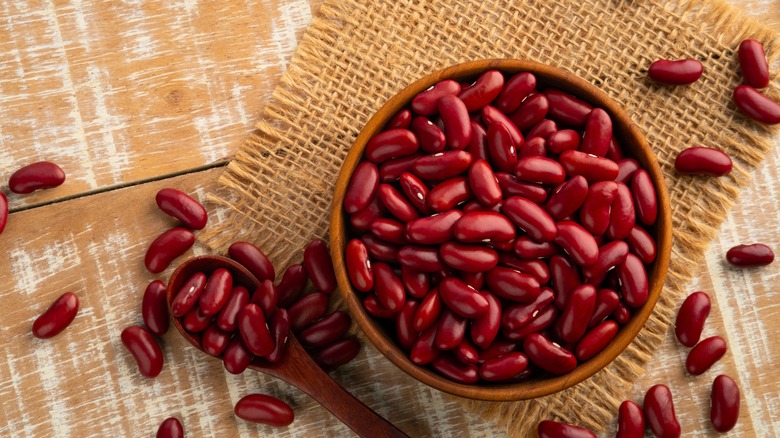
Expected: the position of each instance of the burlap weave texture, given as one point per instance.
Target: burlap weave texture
(358, 53)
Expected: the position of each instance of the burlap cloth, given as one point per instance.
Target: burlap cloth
(358, 53)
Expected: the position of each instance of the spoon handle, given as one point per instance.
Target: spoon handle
(299, 369)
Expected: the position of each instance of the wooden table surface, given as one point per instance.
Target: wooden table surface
(135, 96)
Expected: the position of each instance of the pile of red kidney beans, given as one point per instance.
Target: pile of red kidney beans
(499, 231)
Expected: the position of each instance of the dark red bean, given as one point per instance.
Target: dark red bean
(424, 350)
(631, 421)
(433, 229)
(417, 284)
(404, 330)
(610, 255)
(469, 258)
(564, 277)
(279, 326)
(430, 136)
(166, 247)
(226, 319)
(455, 117)
(704, 355)
(402, 119)
(462, 299)
(237, 357)
(291, 285)
(59, 316)
(362, 220)
(391, 144)
(147, 354)
(214, 340)
(388, 287)
(379, 249)
(724, 411)
(513, 285)
(254, 330)
(756, 254)
(517, 315)
(511, 186)
(484, 90)
(691, 317)
(376, 309)
(182, 207)
(425, 102)
(593, 168)
(577, 242)
(359, 266)
(36, 176)
(478, 146)
(542, 320)
(326, 330)
(491, 116)
(566, 108)
(154, 308)
(415, 190)
(554, 429)
(319, 266)
(527, 248)
(421, 258)
(567, 198)
(645, 201)
(261, 408)
(563, 140)
(575, 317)
(187, 296)
(540, 170)
(474, 279)
(598, 133)
(307, 310)
(195, 321)
(516, 89)
(615, 151)
(596, 340)
(252, 258)
(266, 297)
(466, 353)
(454, 369)
(216, 292)
(622, 216)
(756, 105)
(483, 183)
(548, 355)
(534, 147)
(484, 328)
(450, 330)
(337, 354)
(496, 349)
(362, 187)
(626, 169)
(752, 61)
(397, 204)
(392, 169)
(537, 268)
(504, 367)
(543, 129)
(641, 244)
(607, 301)
(622, 314)
(442, 165)
(446, 195)
(530, 217)
(483, 227)
(532, 111)
(659, 412)
(501, 148)
(3, 212)
(675, 72)
(633, 281)
(170, 428)
(703, 161)
(595, 211)
(428, 311)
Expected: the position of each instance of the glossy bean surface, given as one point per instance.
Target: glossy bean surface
(566, 108)
(485, 327)
(319, 266)
(704, 355)
(450, 330)
(659, 412)
(166, 247)
(36, 176)
(483, 183)
(337, 353)
(595, 211)
(454, 369)
(388, 287)
(622, 216)
(554, 429)
(517, 315)
(504, 367)
(359, 266)
(752, 62)
(598, 133)
(154, 308)
(701, 160)
(214, 340)
(633, 280)
(415, 190)
(468, 257)
(756, 254)
(675, 72)
(279, 326)
(756, 105)
(144, 349)
(607, 301)
(442, 165)
(57, 317)
(182, 207)
(573, 322)
(577, 242)
(265, 409)
(540, 170)
(530, 217)
(187, 296)
(631, 421)
(216, 292)
(170, 428)
(482, 227)
(291, 285)
(266, 296)
(455, 117)
(195, 321)
(641, 244)
(362, 187)
(691, 317)
(724, 399)
(511, 186)
(591, 167)
(3, 212)
(567, 198)
(501, 148)
(448, 194)
(492, 116)
(548, 355)
(483, 91)
(532, 111)
(462, 298)
(563, 140)
(596, 340)
(513, 285)
(326, 330)
(429, 135)
(389, 144)
(515, 90)
(421, 258)
(645, 200)
(236, 357)
(307, 309)
(425, 102)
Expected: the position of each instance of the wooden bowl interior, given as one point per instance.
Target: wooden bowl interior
(634, 145)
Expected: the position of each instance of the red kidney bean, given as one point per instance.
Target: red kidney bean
(170, 428)
(319, 267)
(430, 136)
(691, 318)
(513, 285)
(424, 350)
(154, 308)
(326, 330)
(703, 161)
(484, 328)
(379, 249)
(622, 216)
(252, 258)
(615, 152)
(434, 229)
(595, 211)
(484, 90)
(622, 314)
(3, 212)
(195, 321)
(626, 169)
(675, 72)
(526, 248)
(307, 310)
(532, 111)
(59, 316)
(593, 168)
(455, 117)
(756, 254)
(610, 255)
(534, 147)
(462, 298)
(396, 203)
(531, 218)
(216, 292)
(516, 89)
(564, 277)
(404, 321)
(567, 198)
(466, 353)
(389, 144)
(641, 244)
(450, 330)
(359, 266)
(469, 258)
(542, 319)
(633, 281)
(254, 331)
(659, 412)
(491, 116)
(597, 134)
(474, 279)
(279, 327)
(214, 340)
(577, 242)
(147, 354)
(563, 140)
(362, 220)
(540, 170)
(631, 421)
(548, 355)
(724, 397)
(645, 201)
(166, 247)
(266, 297)
(566, 108)
(421, 258)
(428, 311)
(483, 227)
(182, 207)
(752, 61)
(237, 357)
(425, 102)
(537, 268)
(388, 287)
(446, 195)
(36, 176)
(374, 308)
(261, 408)
(454, 369)
(504, 367)
(188, 295)
(483, 183)
(501, 148)
(392, 169)
(478, 146)
(510, 186)
(517, 315)
(607, 301)
(226, 319)
(337, 354)
(543, 129)
(554, 429)
(441, 166)
(417, 284)
(362, 187)
(291, 285)
(704, 355)
(577, 313)
(496, 349)
(402, 119)
(415, 190)
(756, 105)
(596, 340)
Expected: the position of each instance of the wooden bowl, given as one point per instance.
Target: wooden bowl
(634, 144)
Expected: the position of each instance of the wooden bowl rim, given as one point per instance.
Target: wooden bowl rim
(624, 128)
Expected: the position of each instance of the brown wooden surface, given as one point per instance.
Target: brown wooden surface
(123, 93)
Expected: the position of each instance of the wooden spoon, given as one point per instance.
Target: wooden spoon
(296, 367)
